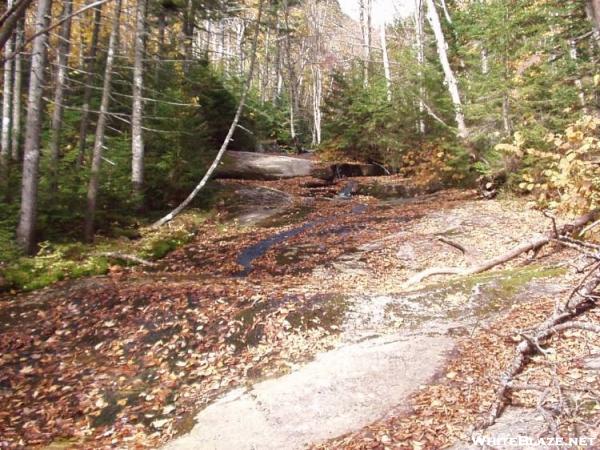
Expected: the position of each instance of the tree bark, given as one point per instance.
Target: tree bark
(386, 64)
(420, 62)
(137, 139)
(89, 80)
(15, 15)
(92, 194)
(27, 217)
(17, 85)
(62, 60)
(434, 21)
(6, 105)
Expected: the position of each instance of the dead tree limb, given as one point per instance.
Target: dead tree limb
(534, 245)
(227, 139)
(130, 258)
(559, 321)
(456, 245)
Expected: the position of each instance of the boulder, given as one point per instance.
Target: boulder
(261, 166)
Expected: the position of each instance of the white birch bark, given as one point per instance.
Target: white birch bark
(446, 12)
(17, 85)
(62, 59)
(420, 61)
(6, 100)
(92, 194)
(386, 64)
(578, 82)
(137, 138)
(33, 125)
(452, 83)
(229, 135)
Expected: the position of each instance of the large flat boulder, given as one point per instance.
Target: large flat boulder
(260, 166)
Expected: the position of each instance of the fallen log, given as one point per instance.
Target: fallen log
(534, 245)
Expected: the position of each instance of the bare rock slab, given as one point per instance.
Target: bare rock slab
(340, 391)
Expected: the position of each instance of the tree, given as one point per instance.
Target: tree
(33, 124)
(89, 79)
(451, 81)
(62, 60)
(137, 140)
(6, 104)
(92, 194)
(17, 86)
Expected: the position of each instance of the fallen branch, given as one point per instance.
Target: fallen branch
(533, 245)
(131, 258)
(456, 245)
(557, 322)
(232, 128)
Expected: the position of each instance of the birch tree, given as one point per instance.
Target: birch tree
(230, 132)
(17, 85)
(62, 59)
(386, 64)
(137, 141)
(451, 81)
(6, 102)
(92, 194)
(420, 61)
(33, 124)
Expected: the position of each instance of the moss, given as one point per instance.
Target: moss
(55, 262)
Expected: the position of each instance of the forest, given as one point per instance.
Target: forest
(286, 224)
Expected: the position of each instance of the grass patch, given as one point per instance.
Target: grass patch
(58, 261)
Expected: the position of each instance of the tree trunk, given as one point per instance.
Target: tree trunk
(6, 105)
(386, 64)
(17, 85)
(578, 82)
(446, 12)
(89, 80)
(27, 217)
(592, 10)
(62, 60)
(12, 21)
(188, 35)
(434, 21)
(92, 194)
(232, 128)
(137, 141)
(420, 62)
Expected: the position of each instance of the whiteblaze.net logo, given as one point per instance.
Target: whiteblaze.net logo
(527, 441)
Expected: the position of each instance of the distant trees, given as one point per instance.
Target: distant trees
(463, 78)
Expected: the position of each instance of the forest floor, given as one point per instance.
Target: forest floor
(288, 322)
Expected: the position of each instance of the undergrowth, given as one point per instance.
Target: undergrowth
(58, 261)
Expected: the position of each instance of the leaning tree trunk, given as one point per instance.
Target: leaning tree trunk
(92, 194)
(137, 140)
(386, 64)
(89, 80)
(6, 105)
(232, 128)
(434, 21)
(17, 85)
(33, 126)
(420, 62)
(62, 60)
